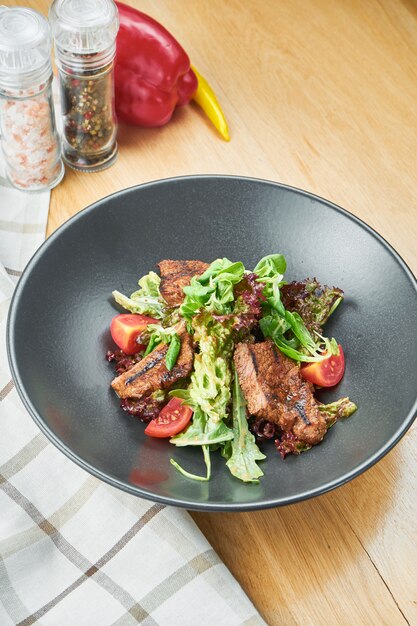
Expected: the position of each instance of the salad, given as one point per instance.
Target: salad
(222, 358)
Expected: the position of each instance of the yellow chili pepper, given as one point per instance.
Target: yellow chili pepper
(206, 99)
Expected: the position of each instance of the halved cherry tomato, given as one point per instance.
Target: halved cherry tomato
(126, 328)
(173, 418)
(325, 373)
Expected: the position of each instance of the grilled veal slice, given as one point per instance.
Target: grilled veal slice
(175, 275)
(151, 372)
(275, 391)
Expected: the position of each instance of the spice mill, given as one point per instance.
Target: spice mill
(29, 138)
(84, 33)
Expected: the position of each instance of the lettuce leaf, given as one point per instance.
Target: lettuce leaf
(287, 329)
(213, 290)
(337, 410)
(202, 431)
(209, 390)
(146, 300)
(242, 452)
(158, 334)
(300, 346)
(271, 265)
(314, 302)
(207, 461)
(270, 271)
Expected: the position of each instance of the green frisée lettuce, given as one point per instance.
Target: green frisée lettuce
(146, 300)
(209, 391)
(242, 451)
(209, 396)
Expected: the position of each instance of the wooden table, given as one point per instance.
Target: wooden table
(319, 94)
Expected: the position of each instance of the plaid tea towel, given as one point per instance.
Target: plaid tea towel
(73, 550)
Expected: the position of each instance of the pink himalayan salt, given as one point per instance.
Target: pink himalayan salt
(29, 140)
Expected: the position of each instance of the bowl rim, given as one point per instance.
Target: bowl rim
(149, 495)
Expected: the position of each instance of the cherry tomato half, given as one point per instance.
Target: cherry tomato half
(173, 418)
(126, 328)
(325, 373)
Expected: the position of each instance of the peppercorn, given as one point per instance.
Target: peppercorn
(89, 123)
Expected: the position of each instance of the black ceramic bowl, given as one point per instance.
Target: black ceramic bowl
(60, 315)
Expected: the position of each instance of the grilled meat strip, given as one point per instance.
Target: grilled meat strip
(175, 275)
(151, 372)
(274, 390)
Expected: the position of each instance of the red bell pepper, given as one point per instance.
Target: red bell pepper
(153, 74)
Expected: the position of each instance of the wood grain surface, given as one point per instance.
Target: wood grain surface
(319, 94)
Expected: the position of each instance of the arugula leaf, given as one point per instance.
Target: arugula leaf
(206, 454)
(147, 299)
(242, 450)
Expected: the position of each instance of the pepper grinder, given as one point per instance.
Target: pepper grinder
(29, 138)
(84, 33)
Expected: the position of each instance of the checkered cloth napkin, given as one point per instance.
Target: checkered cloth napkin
(73, 550)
